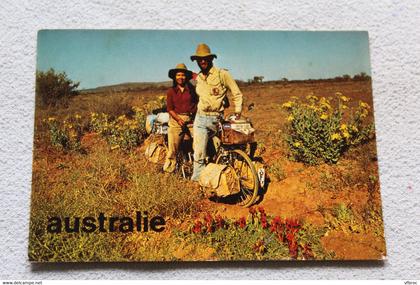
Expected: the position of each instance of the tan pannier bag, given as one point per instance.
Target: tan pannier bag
(155, 153)
(220, 179)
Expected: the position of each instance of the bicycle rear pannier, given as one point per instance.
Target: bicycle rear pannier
(220, 179)
(155, 148)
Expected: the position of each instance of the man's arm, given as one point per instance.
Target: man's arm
(237, 96)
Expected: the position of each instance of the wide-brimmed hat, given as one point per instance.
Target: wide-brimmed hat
(202, 50)
(180, 67)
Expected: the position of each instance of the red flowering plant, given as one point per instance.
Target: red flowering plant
(278, 227)
(220, 222)
(293, 247)
(209, 223)
(257, 237)
(259, 217)
(263, 218)
(197, 227)
(306, 251)
(252, 211)
(259, 247)
(241, 222)
(292, 228)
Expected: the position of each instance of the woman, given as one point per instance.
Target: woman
(181, 103)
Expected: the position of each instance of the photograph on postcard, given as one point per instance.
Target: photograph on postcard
(158, 145)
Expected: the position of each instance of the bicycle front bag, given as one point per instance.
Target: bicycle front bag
(237, 133)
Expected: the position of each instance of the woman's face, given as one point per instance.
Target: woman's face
(180, 78)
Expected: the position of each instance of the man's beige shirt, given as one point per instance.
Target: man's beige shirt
(212, 89)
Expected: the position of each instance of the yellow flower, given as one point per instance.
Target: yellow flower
(297, 144)
(324, 102)
(326, 105)
(311, 97)
(364, 113)
(354, 128)
(343, 127)
(287, 105)
(338, 94)
(364, 105)
(335, 136)
(51, 119)
(323, 117)
(290, 118)
(137, 109)
(344, 98)
(346, 134)
(77, 116)
(344, 106)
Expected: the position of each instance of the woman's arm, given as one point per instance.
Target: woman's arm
(171, 108)
(176, 118)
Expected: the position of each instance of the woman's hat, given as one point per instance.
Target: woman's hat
(202, 50)
(180, 67)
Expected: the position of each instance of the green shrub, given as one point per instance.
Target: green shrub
(65, 135)
(321, 132)
(54, 88)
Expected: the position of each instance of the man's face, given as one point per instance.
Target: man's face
(180, 78)
(204, 62)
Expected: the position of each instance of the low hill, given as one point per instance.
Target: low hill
(128, 87)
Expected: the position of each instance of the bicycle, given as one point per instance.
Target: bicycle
(228, 147)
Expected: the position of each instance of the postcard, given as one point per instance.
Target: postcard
(157, 145)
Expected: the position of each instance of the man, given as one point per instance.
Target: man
(211, 88)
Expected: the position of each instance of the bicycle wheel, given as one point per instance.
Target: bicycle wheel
(246, 173)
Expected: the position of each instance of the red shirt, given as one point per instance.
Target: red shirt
(181, 102)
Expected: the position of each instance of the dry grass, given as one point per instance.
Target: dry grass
(113, 183)
(118, 183)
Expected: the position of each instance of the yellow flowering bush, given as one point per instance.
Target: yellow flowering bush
(321, 129)
(65, 135)
(121, 132)
(159, 104)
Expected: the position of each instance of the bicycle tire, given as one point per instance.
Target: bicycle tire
(246, 196)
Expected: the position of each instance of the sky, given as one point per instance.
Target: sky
(105, 57)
